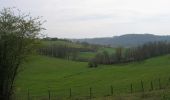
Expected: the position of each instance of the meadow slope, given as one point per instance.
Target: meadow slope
(43, 73)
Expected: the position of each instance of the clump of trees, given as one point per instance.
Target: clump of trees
(92, 63)
(18, 33)
(59, 51)
(147, 50)
(66, 51)
(102, 58)
(139, 53)
(107, 58)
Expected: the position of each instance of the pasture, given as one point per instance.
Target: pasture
(43, 73)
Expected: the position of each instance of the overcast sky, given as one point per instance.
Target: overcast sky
(98, 18)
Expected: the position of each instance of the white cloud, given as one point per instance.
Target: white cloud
(96, 18)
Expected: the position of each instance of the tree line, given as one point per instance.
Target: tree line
(64, 51)
(55, 39)
(125, 55)
(59, 51)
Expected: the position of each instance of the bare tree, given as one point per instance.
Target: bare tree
(118, 54)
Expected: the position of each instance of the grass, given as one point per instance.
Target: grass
(151, 95)
(42, 73)
(87, 55)
(109, 50)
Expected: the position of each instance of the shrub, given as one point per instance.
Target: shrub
(92, 64)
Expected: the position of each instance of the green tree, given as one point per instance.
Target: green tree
(18, 33)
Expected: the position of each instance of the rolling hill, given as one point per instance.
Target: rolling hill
(43, 73)
(127, 40)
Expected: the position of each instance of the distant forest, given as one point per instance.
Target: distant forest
(125, 55)
(120, 54)
(67, 50)
(128, 40)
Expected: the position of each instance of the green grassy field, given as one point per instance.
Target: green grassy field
(87, 55)
(109, 50)
(43, 73)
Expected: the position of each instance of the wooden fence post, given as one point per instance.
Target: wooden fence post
(131, 88)
(90, 92)
(142, 86)
(70, 93)
(168, 81)
(49, 95)
(111, 89)
(160, 87)
(164, 97)
(28, 95)
(151, 86)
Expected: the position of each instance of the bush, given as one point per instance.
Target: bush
(92, 64)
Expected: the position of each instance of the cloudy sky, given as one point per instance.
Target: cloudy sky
(98, 18)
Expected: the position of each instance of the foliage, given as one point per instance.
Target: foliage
(139, 53)
(92, 64)
(17, 37)
(59, 51)
(67, 50)
(148, 50)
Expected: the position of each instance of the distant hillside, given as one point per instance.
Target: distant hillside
(127, 40)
